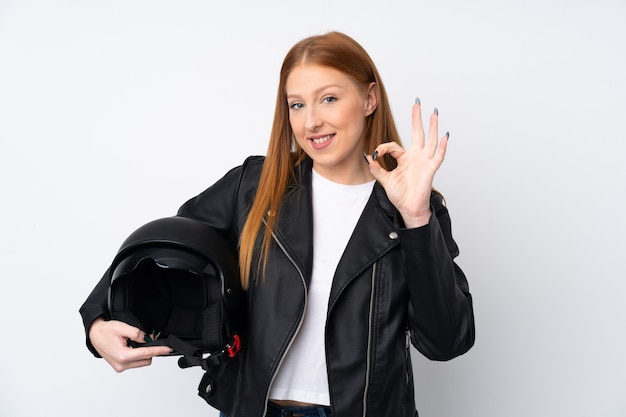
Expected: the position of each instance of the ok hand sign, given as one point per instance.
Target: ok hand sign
(409, 185)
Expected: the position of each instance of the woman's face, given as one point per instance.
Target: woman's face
(327, 114)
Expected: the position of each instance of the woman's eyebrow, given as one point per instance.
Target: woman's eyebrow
(318, 90)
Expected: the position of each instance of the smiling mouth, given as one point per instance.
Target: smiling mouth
(323, 139)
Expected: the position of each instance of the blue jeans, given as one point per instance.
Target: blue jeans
(276, 411)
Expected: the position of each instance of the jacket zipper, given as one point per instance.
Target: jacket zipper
(369, 341)
(407, 360)
(267, 395)
(407, 350)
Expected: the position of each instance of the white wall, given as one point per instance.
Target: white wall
(114, 113)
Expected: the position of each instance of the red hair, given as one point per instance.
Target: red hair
(334, 50)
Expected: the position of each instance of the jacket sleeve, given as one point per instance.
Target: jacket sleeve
(96, 306)
(223, 205)
(440, 309)
(216, 206)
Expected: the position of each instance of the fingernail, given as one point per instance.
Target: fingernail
(436, 111)
(447, 135)
(375, 155)
(365, 157)
(417, 100)
(147, 338)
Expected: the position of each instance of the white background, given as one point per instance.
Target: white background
(114, 113)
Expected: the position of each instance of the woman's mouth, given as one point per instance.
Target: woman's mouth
(320, 141)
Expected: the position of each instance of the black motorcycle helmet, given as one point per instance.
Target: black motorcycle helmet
(177, 279)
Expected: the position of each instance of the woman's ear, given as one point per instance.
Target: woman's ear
(371, 99)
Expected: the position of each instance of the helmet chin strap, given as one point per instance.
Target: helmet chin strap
(191, 354)
(194, 357)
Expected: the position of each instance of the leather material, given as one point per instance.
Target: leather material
(392, 285)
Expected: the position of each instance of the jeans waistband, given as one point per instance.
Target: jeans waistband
(274, 410)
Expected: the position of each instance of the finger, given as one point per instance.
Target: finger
(130, 361)
(133, 365)
(130, 332)
(388, 148)
(433, 129)
(441, 150)
(137, 357)
(377, 171)
(149, 352)
(417, 133)
(417, 136)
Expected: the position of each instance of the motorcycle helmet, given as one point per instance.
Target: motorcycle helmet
(177, 279)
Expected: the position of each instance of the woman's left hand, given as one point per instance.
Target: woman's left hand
(409, 185)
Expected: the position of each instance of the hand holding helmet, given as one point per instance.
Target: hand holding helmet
(110, 338)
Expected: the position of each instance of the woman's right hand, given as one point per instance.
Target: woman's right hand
(110, 339)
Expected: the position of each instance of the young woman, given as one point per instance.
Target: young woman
(345, 250)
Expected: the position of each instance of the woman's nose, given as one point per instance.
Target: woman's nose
(312, 121)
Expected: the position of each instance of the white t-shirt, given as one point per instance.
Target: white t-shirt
(336, 210)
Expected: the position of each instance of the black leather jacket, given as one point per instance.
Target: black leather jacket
(392, 285)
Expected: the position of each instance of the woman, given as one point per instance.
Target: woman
(345, 251)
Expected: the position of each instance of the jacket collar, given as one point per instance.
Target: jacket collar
(295, 225)
(374, 235)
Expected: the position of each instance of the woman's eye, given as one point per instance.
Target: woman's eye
(329, 99)
(295, 106)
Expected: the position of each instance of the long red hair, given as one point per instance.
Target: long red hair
(335, 50)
